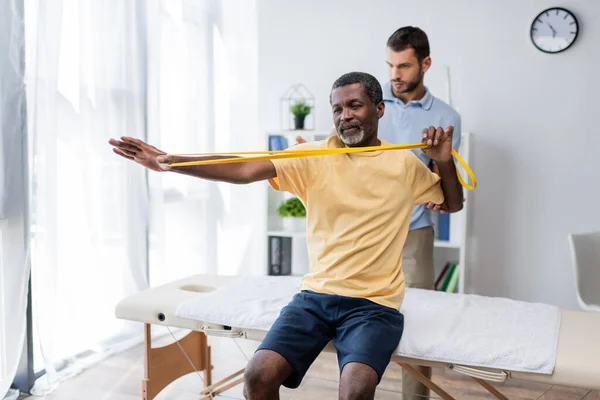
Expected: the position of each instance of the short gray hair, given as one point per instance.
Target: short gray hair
(369, 82)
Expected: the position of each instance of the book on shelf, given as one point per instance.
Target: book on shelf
(441, 225)
(441, 275)
(280, 255)
(277, 142)
(453, 282)
(447, 280)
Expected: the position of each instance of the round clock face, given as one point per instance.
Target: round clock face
(554, 30)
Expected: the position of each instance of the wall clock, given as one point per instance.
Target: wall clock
(554, 30)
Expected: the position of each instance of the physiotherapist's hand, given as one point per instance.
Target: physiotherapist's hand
(439, 142)
(300, 139)
(442, 208)
(435, 207)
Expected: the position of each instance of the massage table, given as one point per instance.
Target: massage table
(574, 362)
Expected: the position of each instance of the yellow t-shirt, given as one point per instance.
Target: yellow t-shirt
(358, 210)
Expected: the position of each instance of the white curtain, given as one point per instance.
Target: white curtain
(85, 83)
(14, 267)
(179, 119)
(203, 74)
(180, 74)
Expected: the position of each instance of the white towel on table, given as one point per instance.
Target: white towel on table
(458, 329)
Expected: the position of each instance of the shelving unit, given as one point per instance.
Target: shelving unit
(452, 250)
(275, 226)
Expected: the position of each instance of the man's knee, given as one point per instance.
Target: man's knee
(358, 390)
(257, 381)
(264, 375)
(358, 382)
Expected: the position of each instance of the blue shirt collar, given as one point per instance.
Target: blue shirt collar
(426, 102)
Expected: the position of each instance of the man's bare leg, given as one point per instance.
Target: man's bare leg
(358, 382)
(264, 375)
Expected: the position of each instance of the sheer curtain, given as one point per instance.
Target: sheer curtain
(203, 97)
(241, 240)
(179, 74)
(14, 267)
(179, 120)
(85, 84)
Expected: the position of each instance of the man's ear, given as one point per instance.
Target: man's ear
(380, 109)
(426, 63)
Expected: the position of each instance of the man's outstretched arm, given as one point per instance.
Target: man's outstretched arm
(157, 160)
(237, 173)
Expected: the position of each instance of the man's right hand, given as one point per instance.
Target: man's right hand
(138, 151)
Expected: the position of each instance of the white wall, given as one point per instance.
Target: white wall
(533, 115)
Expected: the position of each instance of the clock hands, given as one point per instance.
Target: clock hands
(553, 31)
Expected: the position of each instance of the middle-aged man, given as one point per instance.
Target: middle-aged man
(410, 108)
(357, 222)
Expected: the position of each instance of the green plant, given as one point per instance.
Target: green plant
(292, 207)
(300, 108)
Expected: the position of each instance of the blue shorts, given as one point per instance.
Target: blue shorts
(362, 331)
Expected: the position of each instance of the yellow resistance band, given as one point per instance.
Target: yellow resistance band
(291, 153)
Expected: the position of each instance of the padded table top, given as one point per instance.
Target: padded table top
(578, 351)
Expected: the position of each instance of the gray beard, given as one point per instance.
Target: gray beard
(354, 139)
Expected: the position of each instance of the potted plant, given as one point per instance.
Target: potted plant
(300, 109)
(293, 213)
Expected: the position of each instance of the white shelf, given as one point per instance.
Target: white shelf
(308, 135)
(446, 244)
(301, 235)
(299, 132)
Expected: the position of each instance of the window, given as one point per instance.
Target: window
(102, 227)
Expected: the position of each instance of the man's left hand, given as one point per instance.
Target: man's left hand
(439, 142)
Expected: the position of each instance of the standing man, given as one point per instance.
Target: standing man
(409, 109)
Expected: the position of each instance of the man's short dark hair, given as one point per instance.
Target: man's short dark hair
(410, 37)
(369, 82)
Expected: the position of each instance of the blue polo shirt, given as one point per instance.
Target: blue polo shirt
(404, 123)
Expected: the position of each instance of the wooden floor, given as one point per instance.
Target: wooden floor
(119, 378)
